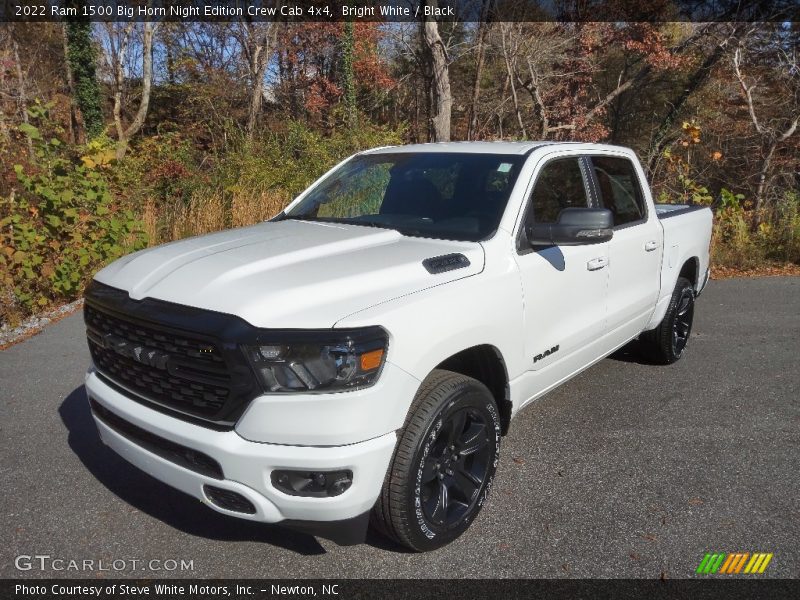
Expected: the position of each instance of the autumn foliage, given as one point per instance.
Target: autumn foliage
(223, 123)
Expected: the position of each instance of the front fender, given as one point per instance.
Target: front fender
(430, 326)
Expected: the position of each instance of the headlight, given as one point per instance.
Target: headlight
(324, 360)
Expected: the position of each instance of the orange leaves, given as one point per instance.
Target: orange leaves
(309, 58)
(646, 39)
(691, 133)
(371, 70)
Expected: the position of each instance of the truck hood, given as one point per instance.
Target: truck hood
(289, 274)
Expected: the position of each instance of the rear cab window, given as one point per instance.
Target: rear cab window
(619, 189)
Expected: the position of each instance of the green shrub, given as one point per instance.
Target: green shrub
(776, 239)
(290, 159)
(243, 183)
(165, 168)
(733, 244)
(780, 234)
(62, 225)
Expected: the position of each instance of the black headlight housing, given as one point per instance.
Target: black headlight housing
(327, 360)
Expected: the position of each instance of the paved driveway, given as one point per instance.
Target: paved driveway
(629, 470)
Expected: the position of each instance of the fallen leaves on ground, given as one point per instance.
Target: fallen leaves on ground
(771, 270)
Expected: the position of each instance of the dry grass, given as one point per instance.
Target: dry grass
(150, 219)
(247, 209)
(209, 211)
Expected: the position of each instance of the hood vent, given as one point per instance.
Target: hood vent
(444, 263)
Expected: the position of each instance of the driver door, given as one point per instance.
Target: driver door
(564, 287)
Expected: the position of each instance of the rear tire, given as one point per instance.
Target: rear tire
(444, 463)
(666, 343)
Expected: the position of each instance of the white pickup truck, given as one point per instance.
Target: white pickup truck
(358, 358)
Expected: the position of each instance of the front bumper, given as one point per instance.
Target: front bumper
(246, 465)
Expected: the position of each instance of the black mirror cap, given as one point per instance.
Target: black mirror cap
(588, 218)
(575, 227)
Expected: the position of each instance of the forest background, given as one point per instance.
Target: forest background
(116, 136)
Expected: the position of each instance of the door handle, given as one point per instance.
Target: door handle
(650, 246)
(597, 263)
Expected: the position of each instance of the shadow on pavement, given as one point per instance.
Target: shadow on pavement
(630, 353)
(158, 500)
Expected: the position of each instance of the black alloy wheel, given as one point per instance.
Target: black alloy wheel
(666, 343)
(444, 463)
(682, 324)
(456, 468)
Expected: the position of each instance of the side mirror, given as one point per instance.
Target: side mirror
(575, 227)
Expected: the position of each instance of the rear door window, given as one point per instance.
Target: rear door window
(619, 189)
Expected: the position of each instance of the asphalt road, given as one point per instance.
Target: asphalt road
(629, 470)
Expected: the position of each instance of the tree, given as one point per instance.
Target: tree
(23, 97)
(81, 56)
(436, 63)
(312, 71)
(775, 59)
(118, 58)
(480, 58)
(74, 119)
(348, 74)
(665, 131)
(258, 42)
(510, 48)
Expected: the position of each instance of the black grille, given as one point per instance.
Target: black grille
(184, 373)
(180, 455)
(229, 500)
(169, 356)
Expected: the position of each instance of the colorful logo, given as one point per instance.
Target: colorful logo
(734, 563)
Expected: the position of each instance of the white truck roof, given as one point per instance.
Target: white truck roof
(465, 147)
(499, 147)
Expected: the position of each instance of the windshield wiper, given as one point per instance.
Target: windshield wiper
(366, 223)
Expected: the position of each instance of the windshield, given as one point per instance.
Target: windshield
(454, 196)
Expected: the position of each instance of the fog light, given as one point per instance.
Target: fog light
(318, 484)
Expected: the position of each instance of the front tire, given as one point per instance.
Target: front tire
(666, 343)
(444, 463)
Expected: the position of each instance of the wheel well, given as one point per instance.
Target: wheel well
(486, 364)
(690, 270)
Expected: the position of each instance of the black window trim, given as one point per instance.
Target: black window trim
(588, 185)
(597, 193)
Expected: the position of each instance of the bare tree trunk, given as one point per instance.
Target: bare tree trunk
(118, 52)
(511, 77)
(441, 98)
(416, 115)
(75, 125)
(536, 95)
(23, 96)
(3, 127)
(263, 44)
(762, 181)
(144, 104)
(483, 29)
